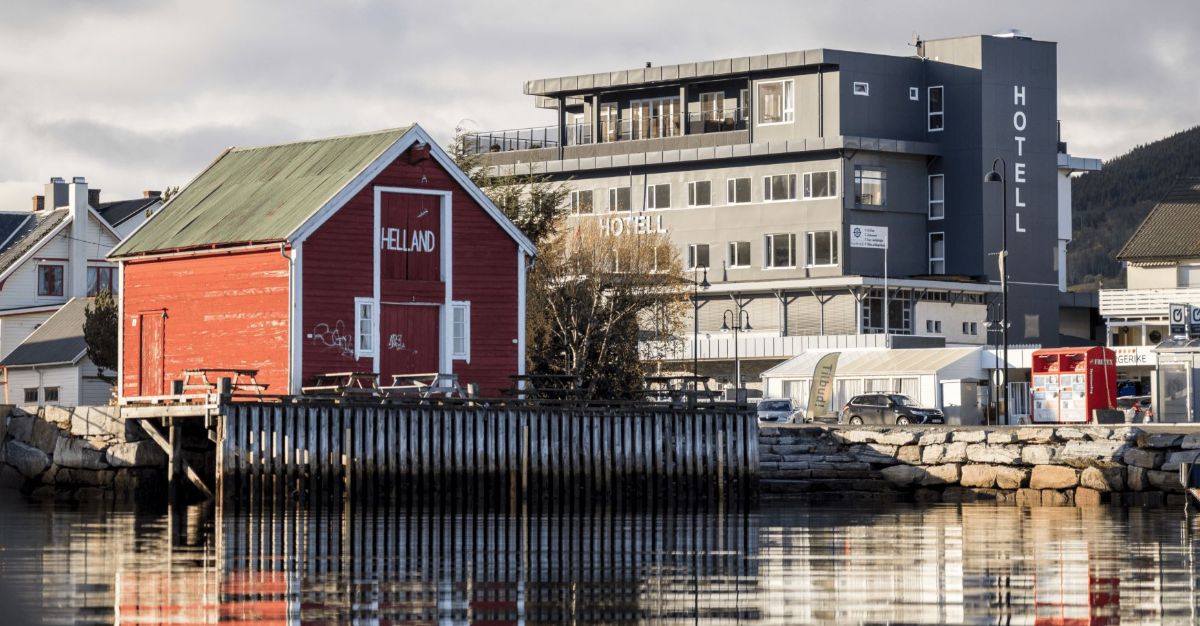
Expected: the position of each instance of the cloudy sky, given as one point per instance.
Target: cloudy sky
(137, 94)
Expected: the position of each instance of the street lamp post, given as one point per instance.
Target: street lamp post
(738, 321)
(696, 287)
(995, 176)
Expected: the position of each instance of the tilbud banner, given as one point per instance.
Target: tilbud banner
(821, 391)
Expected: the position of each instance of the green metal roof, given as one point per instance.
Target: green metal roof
(258, 194)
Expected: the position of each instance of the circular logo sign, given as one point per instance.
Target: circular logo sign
(858, 232)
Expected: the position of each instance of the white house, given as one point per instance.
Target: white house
(51, 366)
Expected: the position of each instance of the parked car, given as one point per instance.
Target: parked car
(777, 410)
(1137, 409)
(888, 408)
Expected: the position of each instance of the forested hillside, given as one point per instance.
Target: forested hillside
(1109, 204)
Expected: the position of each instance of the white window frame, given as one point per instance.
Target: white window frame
(38, 282)
(651, 191)
(731, 251)
(810, 248)
(465, 353)
(861, 89)
(788, 107)
(767, 194)
(941, 204)
(692, 249)
(716, 100)
(933, 259)
(768, 252)
(806, 185)
(883, 185)
(612, 199)
(914, 94)
(731, 199)
(373, 333)
(744, 103)
(930, 113)
(574, 201)
(692, 186)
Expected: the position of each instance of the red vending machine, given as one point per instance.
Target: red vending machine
(1070, 383)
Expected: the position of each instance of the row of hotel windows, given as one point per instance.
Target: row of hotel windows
(935, 327)
(870, 189)
(779, 251)
(51, 278)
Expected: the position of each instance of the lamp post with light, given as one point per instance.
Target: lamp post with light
(697, 285)
(997, 176)
(739, 322)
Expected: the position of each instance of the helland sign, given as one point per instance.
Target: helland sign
(633, 224)
(401, 240)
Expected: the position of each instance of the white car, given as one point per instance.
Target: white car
(776, 410)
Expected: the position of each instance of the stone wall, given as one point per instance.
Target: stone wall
(80, 452)
(1032, 465)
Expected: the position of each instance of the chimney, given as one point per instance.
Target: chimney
(56, 193)
(39, 202)
(77, 263)
(150, 193)
(94, 198)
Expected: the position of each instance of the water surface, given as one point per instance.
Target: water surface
(975, 564)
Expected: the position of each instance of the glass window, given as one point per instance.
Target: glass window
(460, 331)
(739, 191)
(744, 103)
(618, 199)
(820, 184)
(937, 253)
(936, 109)
(697, 256)
(822, 248)
(100, 279)
(779, 187)
(739, 254)
(608, 121)
(870, 186)
(658, 196)
(712, 105)
(655, 117)
(776, 102)
(862, 89)
(581, 201)
(700, 193)
(52, 394)
(937, 196)
(781, 250)
(364, 326)
(50, 280)
(31, 395)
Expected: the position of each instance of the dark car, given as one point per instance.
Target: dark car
(888, 408)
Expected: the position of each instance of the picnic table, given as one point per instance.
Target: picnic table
(545, 386)
(424, 384)
(680, 388)
(343, 384)
(207, 380)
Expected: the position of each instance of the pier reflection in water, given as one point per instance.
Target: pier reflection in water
(942, 564)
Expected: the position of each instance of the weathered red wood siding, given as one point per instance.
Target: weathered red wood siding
(225, 310)
(338, 266)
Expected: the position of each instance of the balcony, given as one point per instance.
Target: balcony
(649, 127)
(1145, 303)
(719, 346)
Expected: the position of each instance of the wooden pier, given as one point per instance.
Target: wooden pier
(320, 451)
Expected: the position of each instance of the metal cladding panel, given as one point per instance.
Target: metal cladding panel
(602, 80)
(687, 70)
(776, 61)
(741, 64)
(670, 72)
(795, 58)
(653, 74)
(704, 68)
(218, 311)
(553, 84)
(570, 83)
(617, 78)
(637, 159)
(671, 156)
(587, 81)
(338, 267)
(258, 194)
(653, 158)
(635, 76)
(758, 63)
(723, 152)
(723, 66)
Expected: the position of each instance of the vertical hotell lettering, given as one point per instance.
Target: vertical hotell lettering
(1019, 123)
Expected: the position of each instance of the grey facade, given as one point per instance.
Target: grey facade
(862, 140)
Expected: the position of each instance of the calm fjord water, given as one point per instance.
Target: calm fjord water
(976, 564)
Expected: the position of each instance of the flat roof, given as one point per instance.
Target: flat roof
(877, 362)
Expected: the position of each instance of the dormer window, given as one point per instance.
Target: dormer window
(50, 280)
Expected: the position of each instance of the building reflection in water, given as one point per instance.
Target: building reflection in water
(655, 564)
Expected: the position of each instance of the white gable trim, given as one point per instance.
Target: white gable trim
(112, 231)
(368, 174)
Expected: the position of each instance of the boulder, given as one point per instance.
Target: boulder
(1087, 497)
(1141, 457)
(71, 452)
(999, 455)
(1053, 477)
(1069, 433)
(858, 436)
(1082, 453)
(27, 459)
(1125, 433)
(21, 428)
(970, 436)
(932, 437)
(897, 438)
(1035, 434)
(1135, 478)
(1164, 481)
(148, 454)
(1002, 437)
(955, 453)
(909, 454)
(1162, 440)
(1176, 458)
(1029, 497)
(44, 435)
(932, 454)
(874, 453)
(1190, 442)
(90, 421)
(978, 476)
(903, 475)
(60, 415)
(1103, 479)
(1052, 497)
(1011, 477)
(1039, 455)
(940, 475)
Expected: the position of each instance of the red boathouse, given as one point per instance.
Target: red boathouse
(370, 253)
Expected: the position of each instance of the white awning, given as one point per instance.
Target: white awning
(945, 362)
